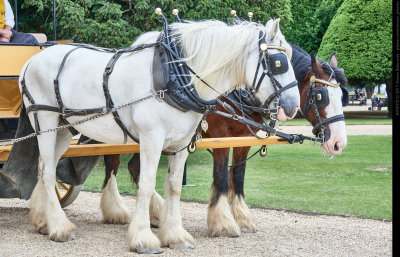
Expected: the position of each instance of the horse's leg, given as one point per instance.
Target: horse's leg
(46, 213)
(141, 239)
(219, 219)
(156, 201)
(171, 231)
(112, 206)
(240, 211)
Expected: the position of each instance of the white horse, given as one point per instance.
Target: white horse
(224, 56)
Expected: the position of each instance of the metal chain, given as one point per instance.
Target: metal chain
(158, 94)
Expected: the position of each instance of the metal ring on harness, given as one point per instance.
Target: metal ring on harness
(263, 151)
(191, 147)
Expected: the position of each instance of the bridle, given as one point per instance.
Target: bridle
(318, 97)
(274, 64)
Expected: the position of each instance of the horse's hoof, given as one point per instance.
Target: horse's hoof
(231, 231)
(231, 234)
(182, 245)
(67, 233)
(63, 237)
(123, 219)
(141, 250)
(249, 230)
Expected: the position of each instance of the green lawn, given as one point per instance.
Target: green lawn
(369, 121)
(295, 177)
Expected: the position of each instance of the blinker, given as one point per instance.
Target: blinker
(279, 63)
(321, 96)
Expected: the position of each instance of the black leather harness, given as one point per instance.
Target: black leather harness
(179, 92)
(67, 112)
(318, 97)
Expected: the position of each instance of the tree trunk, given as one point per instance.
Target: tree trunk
(369, 91)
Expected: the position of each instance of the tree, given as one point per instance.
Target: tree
(310, 21)
(91, 21)
(117, 23)
(361, 35)
(140, 13)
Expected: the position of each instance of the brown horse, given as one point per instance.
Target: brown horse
(228, 215)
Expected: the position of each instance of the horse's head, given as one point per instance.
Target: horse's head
(323, 94)
(270, 72)
(226, 56)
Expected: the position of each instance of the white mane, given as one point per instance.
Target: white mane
(216, 51)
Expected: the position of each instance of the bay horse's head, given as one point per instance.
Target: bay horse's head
(323, 93)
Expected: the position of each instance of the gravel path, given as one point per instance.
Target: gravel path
(280, 233)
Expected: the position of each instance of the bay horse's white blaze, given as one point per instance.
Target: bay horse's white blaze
(338, 139)
(112, 206)
(232, 52)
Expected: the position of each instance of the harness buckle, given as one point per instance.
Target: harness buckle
(160, 94)
(108, 69)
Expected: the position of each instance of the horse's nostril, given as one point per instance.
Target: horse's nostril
(336, 147)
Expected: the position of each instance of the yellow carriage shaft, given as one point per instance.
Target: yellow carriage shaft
(105, 149)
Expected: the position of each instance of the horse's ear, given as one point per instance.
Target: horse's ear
(269, 22)
(333, 60)
(274, 29)
(314, 63)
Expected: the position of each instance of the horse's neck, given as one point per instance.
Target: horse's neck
(303, 86)
(211, 92)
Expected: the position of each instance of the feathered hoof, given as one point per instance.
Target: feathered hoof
(38, 220)
(143, 241)
(121, 217)
(232, 231)
(141, 250)
(176, 238)
(64, 232)
(248, 228)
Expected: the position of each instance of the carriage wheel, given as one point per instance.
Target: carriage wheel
(67, 193)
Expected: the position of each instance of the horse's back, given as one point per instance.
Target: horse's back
(80, 73)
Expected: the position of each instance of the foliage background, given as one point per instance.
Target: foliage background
(117, 23)
(361, 35)
(310, 20)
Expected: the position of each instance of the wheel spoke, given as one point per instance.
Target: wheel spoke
(64, 185)
(58, 193)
